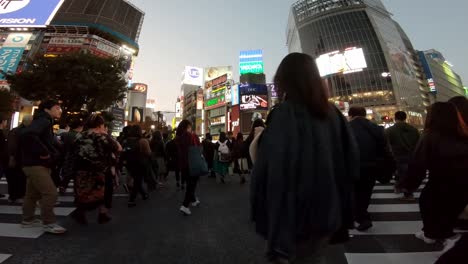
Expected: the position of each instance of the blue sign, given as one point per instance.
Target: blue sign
(427, 72)
(251, 56)
(253, 89)
(28, 13)
(194, 73)
(9, 60)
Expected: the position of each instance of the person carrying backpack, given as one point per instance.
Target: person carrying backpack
(224, 156)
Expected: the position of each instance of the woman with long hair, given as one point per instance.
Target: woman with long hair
(94, 177)
(257, 127)
(443, 152)
(223, 160)
(158, 156)
(238, 157)
(302, 181)
(184, 140)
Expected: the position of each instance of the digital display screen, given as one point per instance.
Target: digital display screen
(345, 62)
(254, 102)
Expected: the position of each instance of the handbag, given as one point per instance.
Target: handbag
(197, 164)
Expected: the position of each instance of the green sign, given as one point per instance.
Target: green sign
(251, 67)
(214, 101)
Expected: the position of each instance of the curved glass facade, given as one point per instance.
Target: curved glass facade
(318, 27)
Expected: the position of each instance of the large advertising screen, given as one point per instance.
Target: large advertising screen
(28, 13)
(251, 61)
(193, 76)
(212, 73)
(248, 89)
(254, 102)
(347, 61)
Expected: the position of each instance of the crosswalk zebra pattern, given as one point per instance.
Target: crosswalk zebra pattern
(391, 240)
(10, 215)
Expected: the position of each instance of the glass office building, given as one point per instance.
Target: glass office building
(362, 52)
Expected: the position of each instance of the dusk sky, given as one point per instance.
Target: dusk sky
(212, 32)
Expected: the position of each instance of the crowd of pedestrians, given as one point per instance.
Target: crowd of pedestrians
(312, 170)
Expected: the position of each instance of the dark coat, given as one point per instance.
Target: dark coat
(445, 195)
(3, 151)
(172, 156)
(403, 139)
(183, 142)
(302, 181)
(37, 140)
(371, 141)
(208, 152)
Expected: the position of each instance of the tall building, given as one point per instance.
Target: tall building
(443, 82)
(362, 53)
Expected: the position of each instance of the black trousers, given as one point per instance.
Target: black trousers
(109, 191)
(138, 174)
(191, 188)
(363, 193)
(16, 183)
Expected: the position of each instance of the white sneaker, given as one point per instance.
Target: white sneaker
(449, 243)
(31, 224)
(54, 229)
(423, 237)
(185, 210)
(196, 203)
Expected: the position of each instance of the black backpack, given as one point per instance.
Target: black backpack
(131, 154)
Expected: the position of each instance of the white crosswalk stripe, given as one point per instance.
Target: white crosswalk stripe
(9, 230)
(394, 223)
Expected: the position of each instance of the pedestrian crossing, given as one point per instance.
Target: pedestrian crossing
(10, 216)
(391, 240)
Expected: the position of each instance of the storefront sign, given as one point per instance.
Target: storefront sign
(12, 51)
(28, 13)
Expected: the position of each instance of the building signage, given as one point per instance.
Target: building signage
(215, 72)
(215, 102)
(254, 102)
(235, 95)
(249, 89)
(273, 91)
(12, 51)
(28, 13)
(251, 61)
(193, 76)
(139, 87)
(67, 41)
(220, 80)
(427, 72)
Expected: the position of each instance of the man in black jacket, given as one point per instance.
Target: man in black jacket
(37, 156)
(371, 142)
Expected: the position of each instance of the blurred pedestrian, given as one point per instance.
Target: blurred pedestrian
(403, 139)
(443, 152)
(173, 162)
(38, 154)
(223, 153)
(237, 157)
(461, 103)
(209, 153)
(15, 175)
(69, 138)
(257, 128)
(136, 154)
(302, 181)
(374, 151)
(158, 156)
(94, 177)
(184, 140)
(3, 148)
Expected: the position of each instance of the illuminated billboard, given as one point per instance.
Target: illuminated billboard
(251, 61)
(212, 73)
(12, 52)
(254, 102)
(193, 76)
(347, 61)
(28, 13)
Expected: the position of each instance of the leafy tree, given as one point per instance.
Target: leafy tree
(76, 79)
(6, 101)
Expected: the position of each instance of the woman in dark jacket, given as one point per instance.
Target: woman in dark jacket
(184, 140)
(443, 151)
(237, 157)
(250, 138)
(209, 153)
(307, 161)
(158, 157)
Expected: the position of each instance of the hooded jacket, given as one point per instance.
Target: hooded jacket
(371, 141)
(37, 140)
(302, 181)
(403, 139)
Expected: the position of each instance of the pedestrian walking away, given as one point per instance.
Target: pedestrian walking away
(94, 176)
(443, 152)
(302, 181)
(374, 156)
(223, 157)
(403, 139)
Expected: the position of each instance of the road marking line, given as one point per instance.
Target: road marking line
(393, 258)
(18, 210)
(16, 231)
